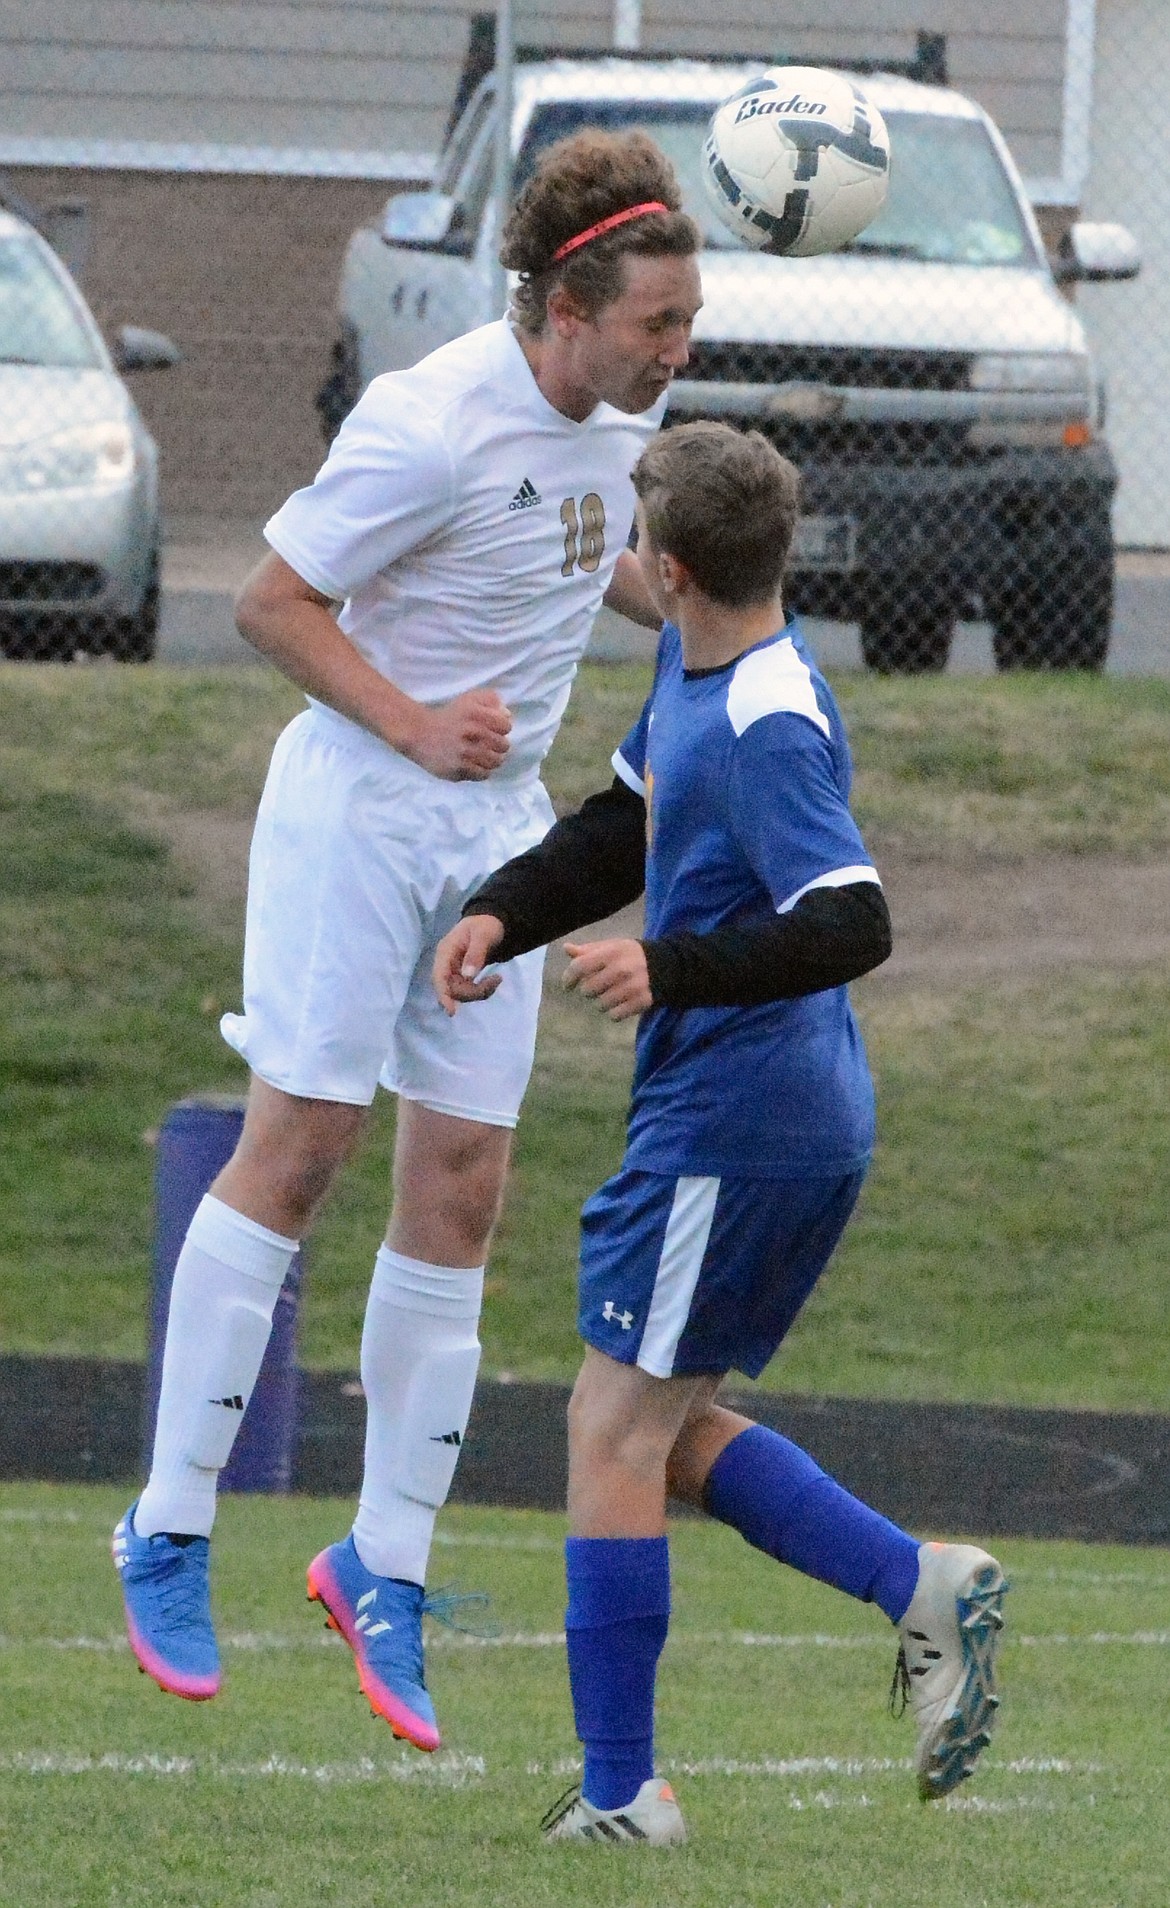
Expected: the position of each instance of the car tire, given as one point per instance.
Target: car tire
(1059, 614)
(913, 639)
(134, 639)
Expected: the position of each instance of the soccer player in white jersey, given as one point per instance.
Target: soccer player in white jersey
(471, 517)
(750, 1129)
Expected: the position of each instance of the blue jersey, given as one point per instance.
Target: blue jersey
(746, 771)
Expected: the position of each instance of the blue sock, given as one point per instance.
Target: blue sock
(615, 1626)
(782, 1502)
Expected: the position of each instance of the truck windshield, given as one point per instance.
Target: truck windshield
(950, 199)
(38, 324)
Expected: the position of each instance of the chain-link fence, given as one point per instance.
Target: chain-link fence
(938, 383)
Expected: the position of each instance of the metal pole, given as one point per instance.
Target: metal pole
(627, 25)
(505, 52)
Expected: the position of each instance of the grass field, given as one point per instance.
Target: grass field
(1011, 1241)
(285, 1793)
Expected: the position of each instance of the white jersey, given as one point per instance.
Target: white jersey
(472, 531)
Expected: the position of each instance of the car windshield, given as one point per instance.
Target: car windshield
(950, 199)
(39, 323)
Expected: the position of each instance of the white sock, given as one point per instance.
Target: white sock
(227, 1279)
(420, 1355)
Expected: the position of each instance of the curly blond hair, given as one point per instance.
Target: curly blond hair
(577, 183)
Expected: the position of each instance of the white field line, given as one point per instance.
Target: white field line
(263, 1642)
(850, 1767)
(1073, 1577)
(445, 1771)
(1142, 1639)
(1004, 1805)
(487, 1540)
(458, 1771)
(1107, 1579)
(13, 1514)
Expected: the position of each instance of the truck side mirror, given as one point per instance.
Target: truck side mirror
(426, 221)
(136, 349)
(1092, 252)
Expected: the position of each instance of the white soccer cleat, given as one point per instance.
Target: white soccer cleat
(946, 1663)
(653, 1817)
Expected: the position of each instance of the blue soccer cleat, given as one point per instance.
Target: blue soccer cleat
(381, 1620)
(168, 1610)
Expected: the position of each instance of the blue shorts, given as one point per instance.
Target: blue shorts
(695, 1275)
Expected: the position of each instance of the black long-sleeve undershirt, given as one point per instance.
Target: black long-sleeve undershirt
(593, 862)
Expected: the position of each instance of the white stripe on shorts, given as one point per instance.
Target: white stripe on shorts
(683, 1247)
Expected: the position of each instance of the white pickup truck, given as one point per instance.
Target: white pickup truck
(930, 381)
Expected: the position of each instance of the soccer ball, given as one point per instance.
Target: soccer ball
(797, 161)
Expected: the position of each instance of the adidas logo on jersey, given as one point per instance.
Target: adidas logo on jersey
(527, 497)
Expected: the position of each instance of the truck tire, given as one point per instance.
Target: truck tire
(342, 387)
(45, 640)
(912, 639)
(1057, 614)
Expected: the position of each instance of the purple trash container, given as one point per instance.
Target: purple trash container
(196, 1139)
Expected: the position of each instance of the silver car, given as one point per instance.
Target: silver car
(79, 512)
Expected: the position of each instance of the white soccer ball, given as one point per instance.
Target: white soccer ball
(797, 161)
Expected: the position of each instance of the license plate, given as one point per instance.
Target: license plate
(824, 543)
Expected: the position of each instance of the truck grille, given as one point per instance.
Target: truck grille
(828, 364)
(827, 445)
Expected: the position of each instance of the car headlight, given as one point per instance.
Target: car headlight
(86, 459)
(1032, 371)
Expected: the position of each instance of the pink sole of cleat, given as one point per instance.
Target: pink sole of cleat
(193, 1689)
(404, 1723)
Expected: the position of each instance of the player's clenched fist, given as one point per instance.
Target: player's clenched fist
(612, 973)
(464, 740)
(459, 958)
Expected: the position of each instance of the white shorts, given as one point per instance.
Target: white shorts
(361, 862)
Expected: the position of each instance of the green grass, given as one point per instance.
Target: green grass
(1011, 766)
(1010, 1244)
(1003, 766)
(285, 1792)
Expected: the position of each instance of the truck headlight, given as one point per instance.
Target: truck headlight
(95, 457)
(1032, 371)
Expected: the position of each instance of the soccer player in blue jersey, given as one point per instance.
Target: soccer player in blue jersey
(750, 1130)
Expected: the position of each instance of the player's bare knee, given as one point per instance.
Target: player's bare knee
(289, 1155)
(447, 1199)
(603, 1434)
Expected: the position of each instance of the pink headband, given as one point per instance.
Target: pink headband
(607, 225)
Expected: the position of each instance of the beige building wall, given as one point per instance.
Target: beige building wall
(355, 86)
